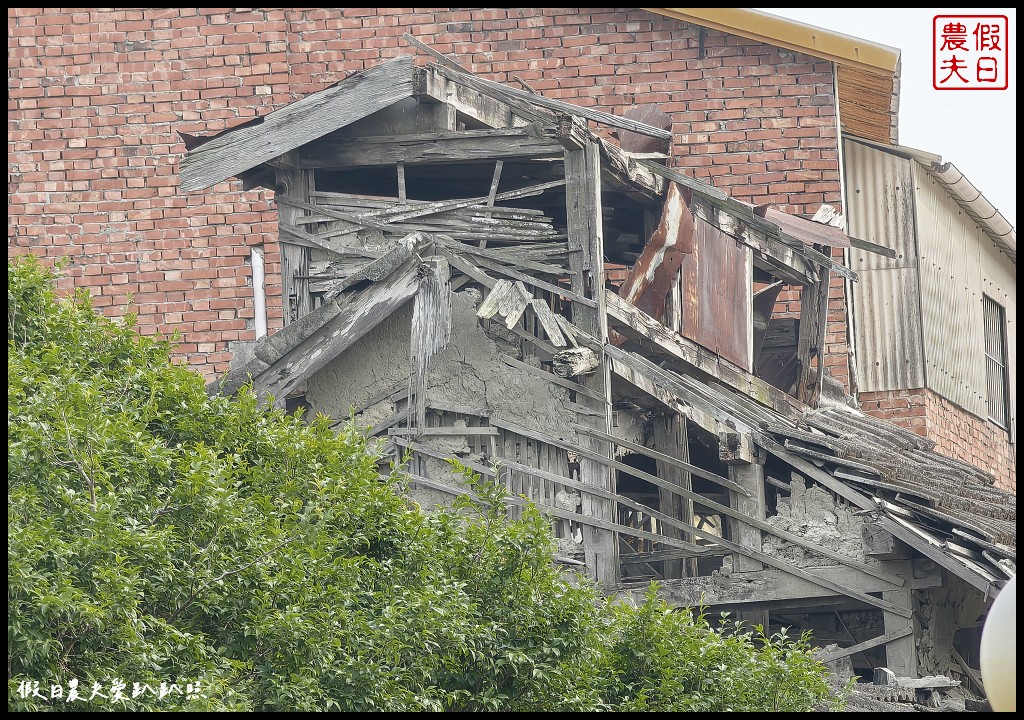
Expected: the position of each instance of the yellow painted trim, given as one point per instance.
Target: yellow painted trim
(792, 35)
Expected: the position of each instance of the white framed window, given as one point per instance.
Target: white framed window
(996, 375)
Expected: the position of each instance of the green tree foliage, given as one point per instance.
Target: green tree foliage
(160, 535)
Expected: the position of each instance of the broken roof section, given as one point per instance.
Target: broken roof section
(363, 246)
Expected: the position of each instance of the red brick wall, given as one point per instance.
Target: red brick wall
(96, 97)
(957, 433)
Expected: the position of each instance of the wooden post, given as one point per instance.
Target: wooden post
(670, 438)
(751, 477)
(813, 320)
(294, 184)
(901, 653)
(583, 211)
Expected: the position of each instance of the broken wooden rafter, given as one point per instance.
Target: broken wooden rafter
(508, 259)
(634, 179)
(382, 266)
(359, 95)
(437, 148)
(446, 62)
(634, 323)
(284, 360)
(510, 94)
(865, 645)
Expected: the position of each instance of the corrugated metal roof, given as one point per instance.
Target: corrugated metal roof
(970, 199)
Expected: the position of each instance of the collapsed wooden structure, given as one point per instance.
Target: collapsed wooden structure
(476, 274)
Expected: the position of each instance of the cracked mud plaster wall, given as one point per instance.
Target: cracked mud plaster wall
(814, 514)
(943, 612)
(468, 372)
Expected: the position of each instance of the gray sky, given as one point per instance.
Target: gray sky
(974, 130)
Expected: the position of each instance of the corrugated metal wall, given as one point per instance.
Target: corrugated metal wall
(958, 264)
(886, 330)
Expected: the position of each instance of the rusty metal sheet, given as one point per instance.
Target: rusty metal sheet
(651, 277)
(717, 311)
(651, 115)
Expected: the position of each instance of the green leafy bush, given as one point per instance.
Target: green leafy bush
(160, 535)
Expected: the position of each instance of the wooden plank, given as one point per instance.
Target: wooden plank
(297, 124)
(583, 206)
(670, 433)
(355, 316)
(440, 148)
(547, 320)
(295, 297)
(495, 180)
(383, 266)
(446, 431)
(431, 85)
(811, 343)
(901, 651)
(867, 645)
(750, 504)
(509, 93)
(446, 62)
(558, 290)
(506, 259)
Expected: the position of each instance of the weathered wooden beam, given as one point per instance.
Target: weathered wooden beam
(901, 651)
(769, 586)
(511, 93)
(667, 398)
(670, 434)
(552, 378)
(636, 324)
(431, 85)
(633, 178)
(446, 62)
(456, 147)
(296, 300)
(811, 343)
(880, 544)
(751, 504)
(348, 318)
(884, 639)
(584, 223)
(297, 124)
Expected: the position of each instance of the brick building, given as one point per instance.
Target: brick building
(97, 99)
